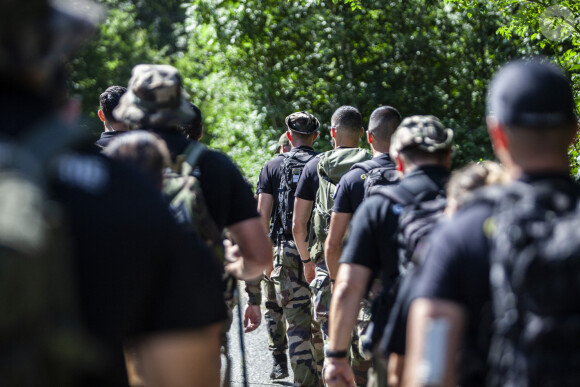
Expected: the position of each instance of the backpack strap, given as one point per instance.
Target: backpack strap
(397, 194)
(366, 166)
(193, 152)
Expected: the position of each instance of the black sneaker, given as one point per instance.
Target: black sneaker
(280, 368)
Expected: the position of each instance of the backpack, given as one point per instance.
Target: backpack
(182, 190)
(42, 339)
(417, 217)
(535, 284)
(331, 167)
(377, 175)
(290, 170)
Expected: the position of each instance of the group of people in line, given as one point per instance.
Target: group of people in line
(120, 258)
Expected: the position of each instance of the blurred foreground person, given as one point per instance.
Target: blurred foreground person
(504, 270)
(90, 258)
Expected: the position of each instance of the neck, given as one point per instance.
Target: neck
(115, 127)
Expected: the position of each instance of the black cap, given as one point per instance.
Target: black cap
(302, 122)
(531, 94)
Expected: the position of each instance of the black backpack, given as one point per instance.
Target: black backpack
(535, 285)
(290, 170)
(377, 175)
(417, 217)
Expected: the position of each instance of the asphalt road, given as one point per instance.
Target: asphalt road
(258, 357)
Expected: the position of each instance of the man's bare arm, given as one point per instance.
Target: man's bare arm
(188, 359)
(349, 289)
(333, 246)
(265, 206)
(254, 248)
(302, 212)
(424, 363)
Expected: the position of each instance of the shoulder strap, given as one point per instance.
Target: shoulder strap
(193, 153)
(366, 166)
(397, 194)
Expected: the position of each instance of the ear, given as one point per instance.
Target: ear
(362, 132)
(333, 132)
(289, 135)
(101, 115)
(369, 137)
(315, 136)
(400, 163)
(497, 135)
(200, 134)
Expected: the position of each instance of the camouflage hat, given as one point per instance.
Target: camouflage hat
(37, 35)
(154, 98)
(424, 132)
(302, 122)
(283, 141)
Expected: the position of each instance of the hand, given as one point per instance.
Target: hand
(309, 273)
(234, 262)
(337, 373)
(252, 318)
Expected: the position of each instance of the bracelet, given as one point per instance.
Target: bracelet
(305, 260)
(334, 354)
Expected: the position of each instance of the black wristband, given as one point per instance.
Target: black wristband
(305, 260)
(335, 354)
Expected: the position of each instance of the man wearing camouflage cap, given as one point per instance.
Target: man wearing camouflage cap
(276, 187)
(421, 148)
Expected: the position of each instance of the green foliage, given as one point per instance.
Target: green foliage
(552, 26)
(248, 64)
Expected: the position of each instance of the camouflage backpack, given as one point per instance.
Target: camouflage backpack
(331, 167)
(41, 335)
(182, 189)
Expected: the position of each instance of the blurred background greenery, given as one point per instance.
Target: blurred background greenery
(248, 64)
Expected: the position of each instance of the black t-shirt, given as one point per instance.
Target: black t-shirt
(456, 269)
(308, 183)
(107, 137)
(372, 239)
(228, 196)
(136, 273)
(350, 190)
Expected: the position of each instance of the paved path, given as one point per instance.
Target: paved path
(258, 357)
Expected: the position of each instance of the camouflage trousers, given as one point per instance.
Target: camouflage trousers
(276, 324)
(293, 295)
(359, 363)
(321, 303)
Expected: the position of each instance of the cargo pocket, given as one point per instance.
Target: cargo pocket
(321, 295)
(283, 285)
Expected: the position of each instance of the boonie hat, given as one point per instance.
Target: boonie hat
(154, 98)
(283, 141)
(531, 93)
(36, 35)
(424, 132)
(302, 122)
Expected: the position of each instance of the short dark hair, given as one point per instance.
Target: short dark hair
(109, 100)
(347, 117)
(193, 128)
(383, 122)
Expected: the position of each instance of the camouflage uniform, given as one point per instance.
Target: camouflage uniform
(294, 296)
(276, 324)
(359, 363)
